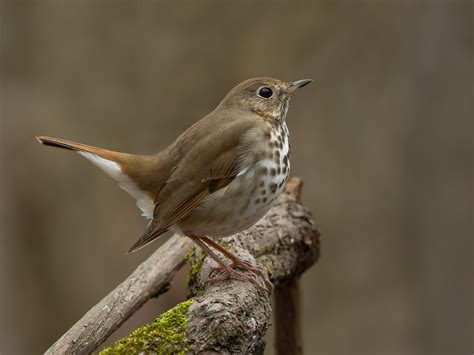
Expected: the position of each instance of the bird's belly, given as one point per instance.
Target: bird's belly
(240, 204)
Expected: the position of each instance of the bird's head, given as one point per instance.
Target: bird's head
(266, 97)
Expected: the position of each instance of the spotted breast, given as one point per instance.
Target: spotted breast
(251, 194)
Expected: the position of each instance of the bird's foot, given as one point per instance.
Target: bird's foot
(254, 270)
(231, 273)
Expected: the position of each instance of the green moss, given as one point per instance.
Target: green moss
(226, 246)
(166, 335)
(195, 259)
(265, 251)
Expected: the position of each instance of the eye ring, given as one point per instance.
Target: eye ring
(265, 92)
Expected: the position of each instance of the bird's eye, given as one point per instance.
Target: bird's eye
(265, 92)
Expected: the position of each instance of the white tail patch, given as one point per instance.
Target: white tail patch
(113, 169)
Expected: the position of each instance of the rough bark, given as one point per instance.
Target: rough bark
(232, 316)
(150, 279)
(226, 317)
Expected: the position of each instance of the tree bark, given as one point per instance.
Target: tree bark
(150, 279)
(287, 303)
(226, 317)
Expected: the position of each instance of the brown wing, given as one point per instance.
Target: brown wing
(212, 155)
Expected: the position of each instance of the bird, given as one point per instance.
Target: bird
(218, 178)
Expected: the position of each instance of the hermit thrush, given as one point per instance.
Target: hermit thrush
(217, 178)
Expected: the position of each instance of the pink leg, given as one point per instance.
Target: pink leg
(236, 261)
(229, 272)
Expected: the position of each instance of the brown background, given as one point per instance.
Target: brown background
(382, 139)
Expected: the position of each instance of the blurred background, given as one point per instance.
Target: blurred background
(382, 139)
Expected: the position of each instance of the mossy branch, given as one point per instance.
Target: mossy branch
(232, 317)
(150, 279)
(166, 335)
(227, 317)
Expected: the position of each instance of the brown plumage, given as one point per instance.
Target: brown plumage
(193, 185)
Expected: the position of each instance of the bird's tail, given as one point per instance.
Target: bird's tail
(79, 147)
(121, 167)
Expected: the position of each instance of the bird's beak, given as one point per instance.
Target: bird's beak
(295, 85)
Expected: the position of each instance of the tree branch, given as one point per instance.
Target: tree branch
(287, 303)
(150, 279)
(228, 317)
(287, 315)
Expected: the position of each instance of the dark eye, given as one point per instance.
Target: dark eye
(265, 92)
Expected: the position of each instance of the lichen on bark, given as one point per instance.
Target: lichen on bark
(165, 335)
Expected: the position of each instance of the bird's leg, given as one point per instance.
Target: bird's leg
(229, 272)
(236, 261)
